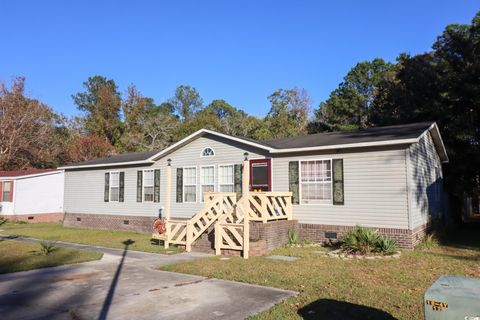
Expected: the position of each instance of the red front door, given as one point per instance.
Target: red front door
(260, 175)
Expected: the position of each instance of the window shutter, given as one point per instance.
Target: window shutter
(1, 191)
(11, 190)
(107, 187)
(179, 184)
(156, 195)
(121, 186)
(338, 190)
(139, 185)
(293, 181)
(237, 180)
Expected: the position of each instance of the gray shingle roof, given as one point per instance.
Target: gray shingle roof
(379, 134)
(119, 158)
(397, 132)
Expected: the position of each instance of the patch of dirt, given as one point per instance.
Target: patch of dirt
(75, 277)
(188, 283)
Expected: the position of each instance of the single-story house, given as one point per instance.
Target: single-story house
(34, 195)
(388, 178)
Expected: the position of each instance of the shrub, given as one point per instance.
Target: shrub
(47, 247)
(386, 245)
(366, 240)
(3, 221)
(292, 237)
(430, 241)
(362, 240)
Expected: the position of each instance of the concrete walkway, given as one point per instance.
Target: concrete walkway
(125, 285)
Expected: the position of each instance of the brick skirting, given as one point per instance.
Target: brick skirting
(263, 236)
(36, 217)
(406, 239)
(109, 222)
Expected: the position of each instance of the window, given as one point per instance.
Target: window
(208, 152)
(316, 182)
(190, 184)
(114, 186)
(148, 184)
(226, 178)
(6, 191)
(207, 179)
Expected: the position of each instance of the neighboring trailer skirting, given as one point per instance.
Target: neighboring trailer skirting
(36, 217)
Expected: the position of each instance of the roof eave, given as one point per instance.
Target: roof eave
(32, 175)
(347, 145)
(443, 154)
(102, 165)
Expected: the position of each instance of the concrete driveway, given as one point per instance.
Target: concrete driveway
(124, 285)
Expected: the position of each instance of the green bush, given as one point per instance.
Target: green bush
(430, 241)
(366, 240)
(47, 247)
(386, 245)
(3, 221)
(293, 237)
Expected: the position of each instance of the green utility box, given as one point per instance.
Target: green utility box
(452, 298)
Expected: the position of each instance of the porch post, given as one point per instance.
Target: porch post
(168, 199)
(246, 176)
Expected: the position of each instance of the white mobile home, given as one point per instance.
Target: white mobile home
(34, 195)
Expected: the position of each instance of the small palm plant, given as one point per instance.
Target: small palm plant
(366, 240)
(293, 237)
(47, 247)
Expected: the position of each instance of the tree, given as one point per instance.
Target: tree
(101, 103)
(228, 119)
(288, 115)
(443, 86)
(349, 106)
(83, 148)
(29, 130)
(136, 109)
(158, 127)
(186, 102)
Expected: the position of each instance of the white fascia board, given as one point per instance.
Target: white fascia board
(33, 175)
(435, 126)
(203, 131)
(349, 145)
(106, 165)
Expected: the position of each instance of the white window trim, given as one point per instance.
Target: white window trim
(110, 186)
(233, 175)
(330, 203)
(3, 189)
(143, 185)
(196, 184)
(213, 155)
(201, 184)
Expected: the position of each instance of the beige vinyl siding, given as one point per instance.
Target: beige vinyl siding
(422, 159)
(374, 184)
(84, 188)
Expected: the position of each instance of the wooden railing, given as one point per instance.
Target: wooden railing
(185, 232)
(231, 217)
(269, 206)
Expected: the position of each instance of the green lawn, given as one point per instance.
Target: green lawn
(331, 288)
(103, 238)
(18, 256)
